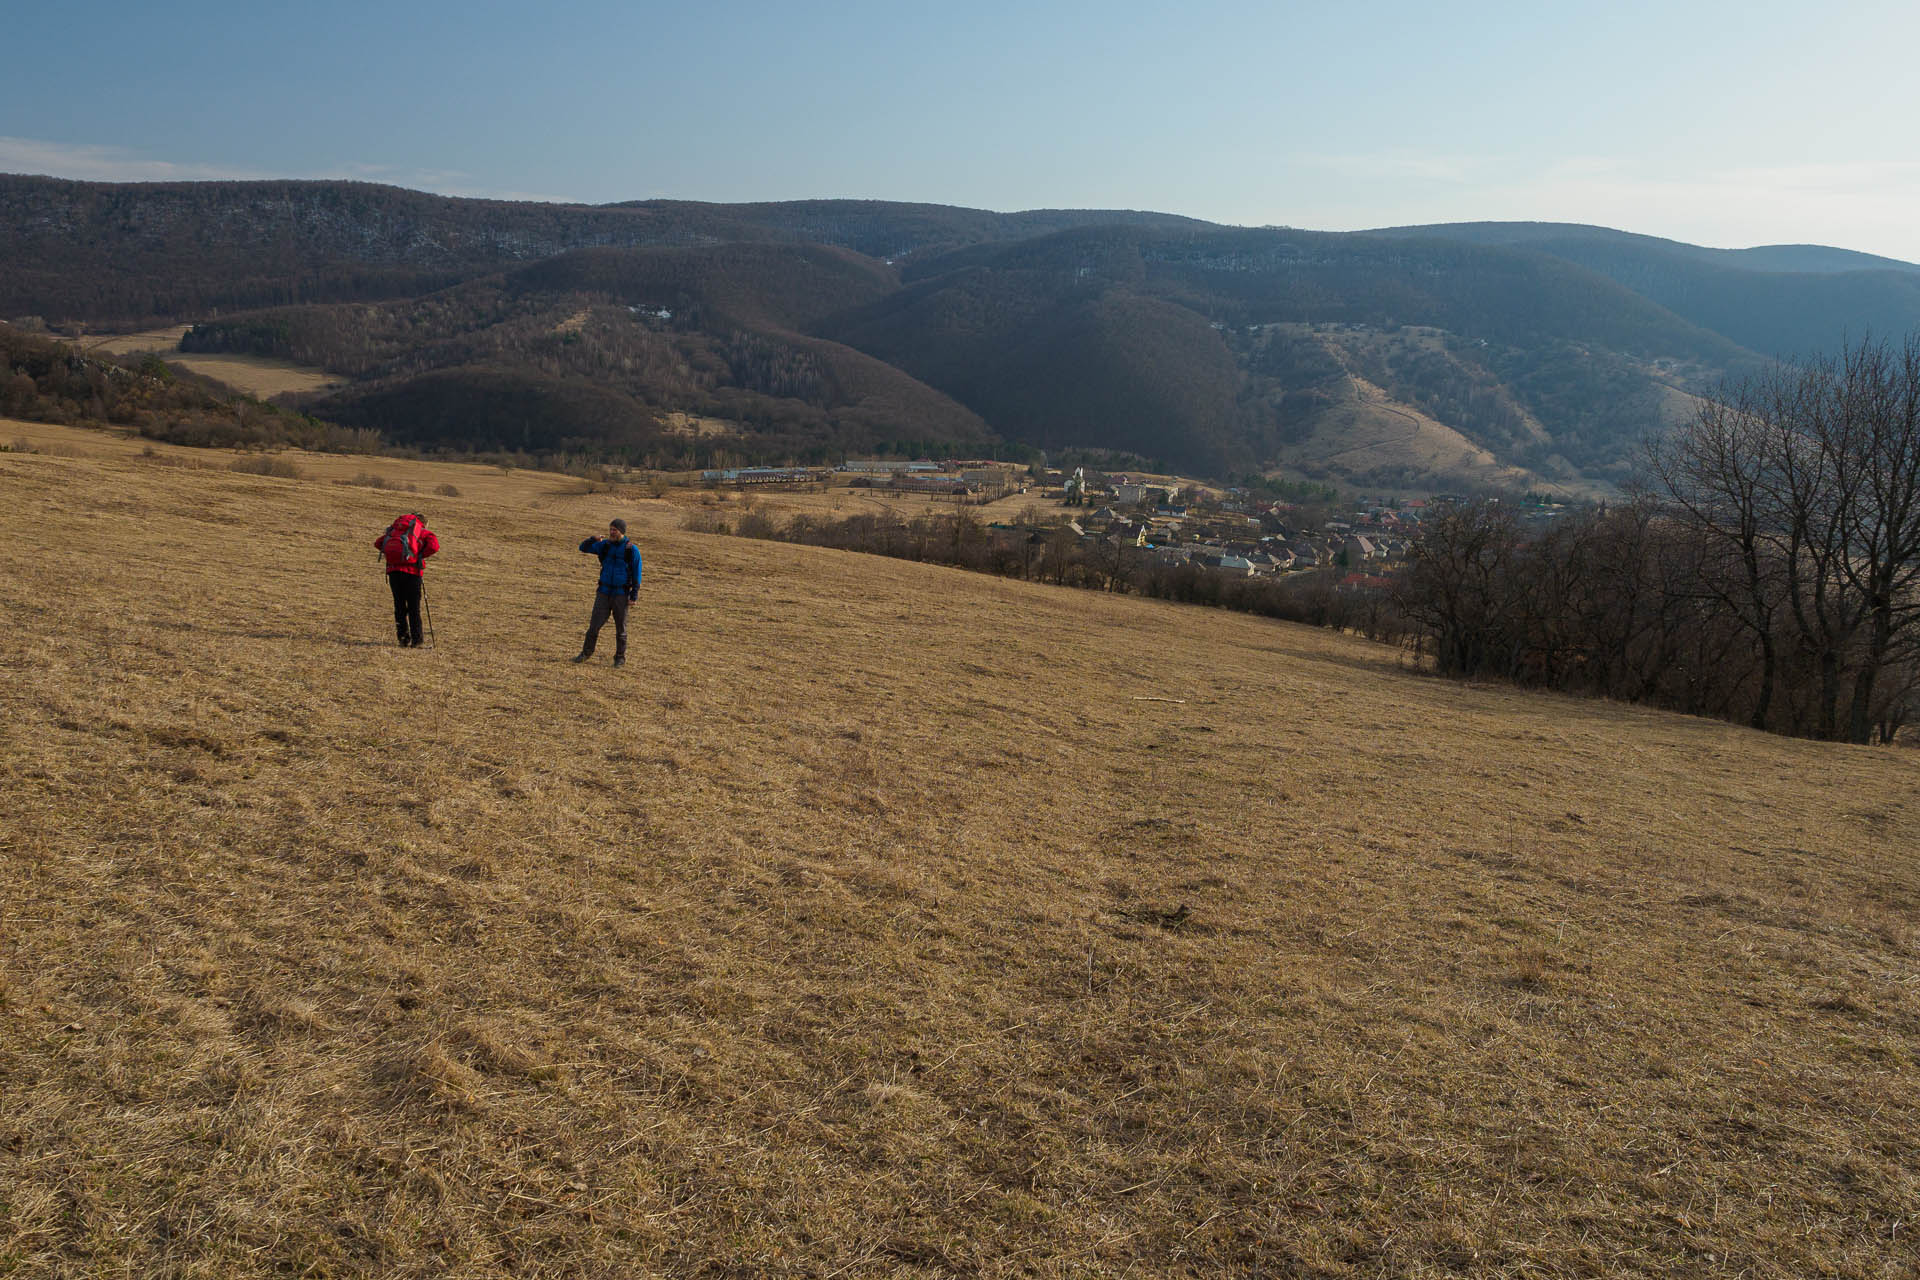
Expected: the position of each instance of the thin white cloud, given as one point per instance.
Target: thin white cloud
(1865, 205)
(1877, 179)
(1402, 166)
(394, 173)
(95, 163)
(89, 162)
(425, 182)
(1856, 206)
(1584, 168)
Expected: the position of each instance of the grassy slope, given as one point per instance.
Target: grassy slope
(874, 921)
(256, 375)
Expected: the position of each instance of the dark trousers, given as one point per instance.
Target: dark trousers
(406, 606)
(603, 605)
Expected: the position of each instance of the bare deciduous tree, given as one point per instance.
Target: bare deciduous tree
(1804, 485)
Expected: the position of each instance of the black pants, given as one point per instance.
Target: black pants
(603, 605)
(406, 606)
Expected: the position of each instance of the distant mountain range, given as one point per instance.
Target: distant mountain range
(1780, 300)
(669, 332)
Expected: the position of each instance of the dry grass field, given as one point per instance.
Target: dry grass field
(882, 920)
(687, 424)
(256, 375)
(123, 344)
(1369, 431)
(838, 501)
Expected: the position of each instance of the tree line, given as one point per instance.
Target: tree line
(46, 381)
(1055, 554)
(1767, 570)
(593, 377)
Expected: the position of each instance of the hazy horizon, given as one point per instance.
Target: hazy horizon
(1714, 124)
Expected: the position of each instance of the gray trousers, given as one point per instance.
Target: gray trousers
(603, 605)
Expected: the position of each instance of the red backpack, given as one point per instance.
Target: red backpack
(402, 544)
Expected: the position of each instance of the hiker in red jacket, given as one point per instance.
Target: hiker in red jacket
(406, 544)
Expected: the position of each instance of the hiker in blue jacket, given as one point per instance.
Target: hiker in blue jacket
(619, 587)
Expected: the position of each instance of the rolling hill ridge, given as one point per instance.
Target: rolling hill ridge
(1780, 300)
(1512, 354)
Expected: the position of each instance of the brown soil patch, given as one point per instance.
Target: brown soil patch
(689, 424)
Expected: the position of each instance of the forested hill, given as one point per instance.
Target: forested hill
(1784, 300)
(681, 332)
(1218, 344)
(1244, 277)
(133, 252)
(1770, 257)
(883, 229)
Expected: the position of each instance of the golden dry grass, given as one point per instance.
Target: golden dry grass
(1369, 431)
(884, 920)
(258, 376)
(689, 424)
(121, 344)
(838, 501)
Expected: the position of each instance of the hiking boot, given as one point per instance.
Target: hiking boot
(619, 662)
(580, 657)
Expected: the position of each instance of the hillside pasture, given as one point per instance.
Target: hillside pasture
(257, 376)
(164, 340)
(693, 424)
(1369, 433)
(883, 920)
(404, 483)
(838, 501)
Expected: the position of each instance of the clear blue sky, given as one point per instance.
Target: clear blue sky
(1719, 123)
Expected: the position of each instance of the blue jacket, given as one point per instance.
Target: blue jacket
(619, 564)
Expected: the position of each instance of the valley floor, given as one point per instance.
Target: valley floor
(879, 919)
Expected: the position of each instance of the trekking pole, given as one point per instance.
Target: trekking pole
(432, 639)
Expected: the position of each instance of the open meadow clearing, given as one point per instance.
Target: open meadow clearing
(164, 341)
(256, 375)
(839, 501)
(883, 920)
(259, 376)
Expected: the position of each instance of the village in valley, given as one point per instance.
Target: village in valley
(1239, 534)
(1167, 519)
